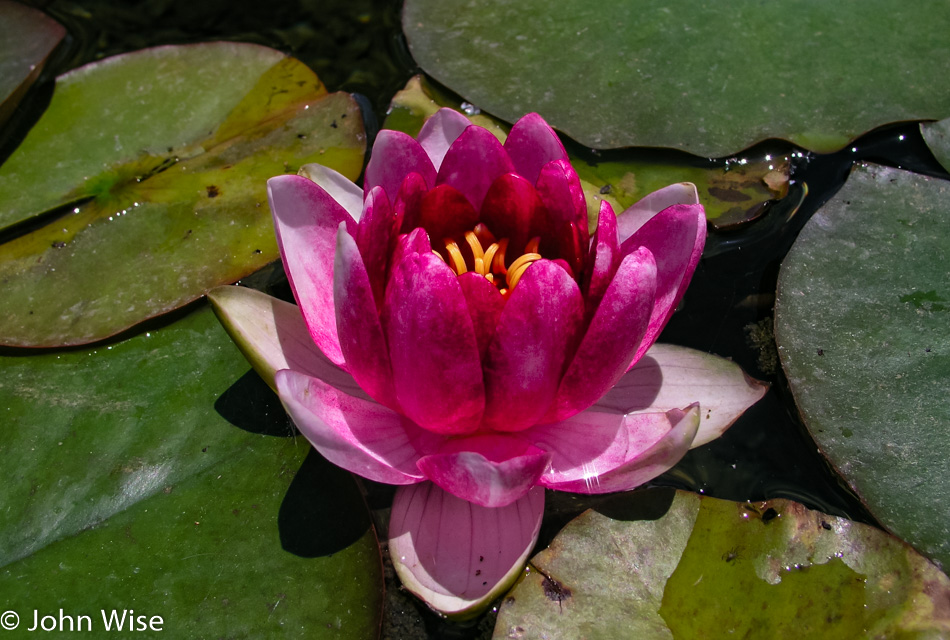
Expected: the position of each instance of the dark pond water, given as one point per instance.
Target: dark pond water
(356, 46)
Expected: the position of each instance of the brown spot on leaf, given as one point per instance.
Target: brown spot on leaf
(213, 191)
(554, 590)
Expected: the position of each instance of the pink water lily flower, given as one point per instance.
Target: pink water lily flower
(461, 290)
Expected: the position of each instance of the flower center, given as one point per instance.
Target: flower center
(482, 254)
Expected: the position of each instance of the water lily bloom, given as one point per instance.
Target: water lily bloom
(477, 345)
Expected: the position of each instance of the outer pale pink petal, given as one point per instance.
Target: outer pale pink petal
(676, 237)
(457, 556)
(531, 144)
(485, 305)
(536, 336)
(437, 372)
(440, 131)
(657, 442)
(306, 220)
(604, 258)
(612, 338)
(473, 162)
(395, 155)
(583, 446)
(636, 215)
(669, 376)
(337, 185)
(358, 435)
(491, 470)
(361, 334)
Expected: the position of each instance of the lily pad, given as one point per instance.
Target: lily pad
(937, 136)
(161, 158)
(665, 564)
(126, 488)
(704, 78)
(27, 38)
(861, 323)
(732, 194)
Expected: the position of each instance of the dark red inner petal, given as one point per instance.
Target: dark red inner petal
(445, 213)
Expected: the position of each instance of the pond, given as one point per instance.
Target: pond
(122, 445)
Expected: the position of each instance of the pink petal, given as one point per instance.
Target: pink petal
(473, 162)
(513, 210)
(612, 338)
(376, 238)
(358, 435)
(361, 334)
(485, 305)
(560, 190)
(676, 237)
(445, 213)
(395, 155)
(457, 556)
(636, 215)
(656, 442)
(272, 335)
(536, 335)
(337, 185)
(604, 258)
(406, 206)
(531, 144)
(440, 131)
(669, 376)
(490, 470)
(582, 446)
(306, 220)
(436, 367)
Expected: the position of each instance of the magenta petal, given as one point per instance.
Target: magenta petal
(531, 144)
(676, 237)
(361, 334)
(337, 185)
(473, 162)
(376, 239)
(359, 435)
(436, 367)
(485, 305)
(440, 131)
(512, 209)
(583, 446)
(613, 336)
(604, 258)
(536, 336)
(445, 213)
(561, 192)
(656, 442)
(637, 214)
(395, 155)
(458, 556)
(406, 206)
(489, 470)
(306, 220)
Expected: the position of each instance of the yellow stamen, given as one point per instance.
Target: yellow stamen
(519, 266)
(475, 245)
(532, 246)
(498, 264)
(487, 259)
(458, 263)
(483, 234)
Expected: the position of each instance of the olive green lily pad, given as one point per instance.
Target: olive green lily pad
(126, 488)
(161, 157)
(732, 194)
(937, 136)
(27, 37)
(705, 78)
(664, 564)
(861, 321)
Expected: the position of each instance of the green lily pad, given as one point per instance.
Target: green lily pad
(27, 37)
(162, 158)
(937, 136)
(704, 78)
(665, 564)
(861, 322)
(732, 194)
(126, 488)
